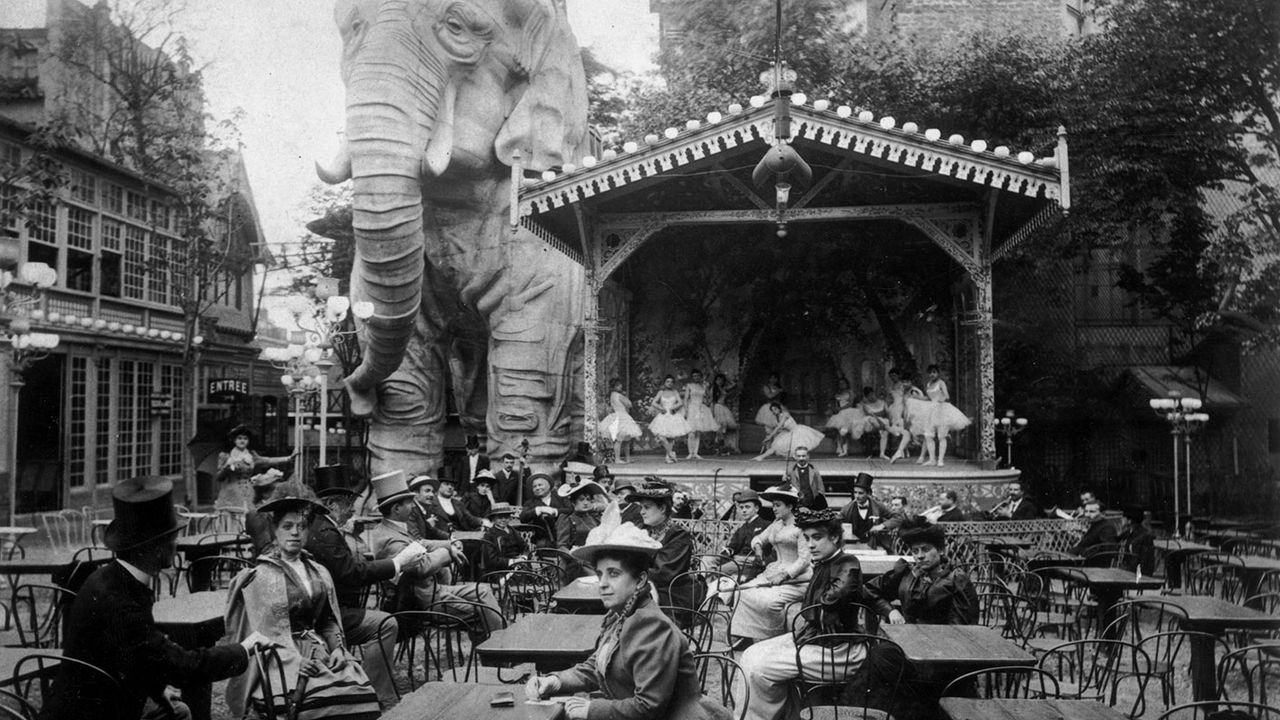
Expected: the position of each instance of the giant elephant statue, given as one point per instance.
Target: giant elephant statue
(441, 96)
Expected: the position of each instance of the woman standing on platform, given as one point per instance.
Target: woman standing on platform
(877, 418)
(237, 465)
(697, 413)
(668, 424)
(619, 425)
(942, 419)
(848, 420)
(726, 421)
(897, 413)
(787, 435)
(773, 393)
(760, 613)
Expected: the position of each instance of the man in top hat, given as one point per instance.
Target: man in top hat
(480, 499)
(449, 511)
(836, 586)
(503, 545)
(863, 512)
(421, 586)
(465, 469)
(424, 524)
(511, 481)
(543, 509)
(807, 481)
(737, 557)
(1136, 540)
(110, 624)
(351, 573)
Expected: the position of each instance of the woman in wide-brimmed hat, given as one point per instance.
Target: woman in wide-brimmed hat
(655, 499)
(760, 612)
(573, 527)
(237, 466)
(642, 666)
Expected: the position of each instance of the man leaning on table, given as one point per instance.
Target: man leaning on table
(111, 627)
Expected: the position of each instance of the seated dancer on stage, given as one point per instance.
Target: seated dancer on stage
(773, 395)
(543, 510)
(864, 511)
(676, 554)
(836, 587)
(761, 601)
(726, 420)
(668, 425)
(618, 425)
(786, 436)
(897, 413)
(877, 420)
(1137, 540)
(642, 667)
(737, 559)
(942, 419)
(847, 419)
(503, 544)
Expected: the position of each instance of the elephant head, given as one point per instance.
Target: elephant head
(440, 90)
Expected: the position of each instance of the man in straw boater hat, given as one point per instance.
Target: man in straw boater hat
(573, 526)
(503, 544)
(423, 523)
(629, 509)
(351, 573)
(110, 624)
(836, 591)
(421, 586)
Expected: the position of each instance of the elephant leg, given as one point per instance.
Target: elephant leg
(468, 357)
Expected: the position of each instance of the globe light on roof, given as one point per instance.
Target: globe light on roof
(910, 127)
(887, 122)
(799, 98)
(956, 139)
(548, 175)
(589, 161)
(714, 117)
(844, 111)
(1026, 157)
(363, 309)
(821, 104)
(933, 134)
(1001, 151)
(630, 146)
(692, 125)
(757, 101)
(735, 108)
(866, 116)
(568, 168)
(978, 145)
(670, 133)
(652, 138)
(609, 154)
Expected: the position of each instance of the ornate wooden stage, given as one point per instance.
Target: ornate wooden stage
(718, 477)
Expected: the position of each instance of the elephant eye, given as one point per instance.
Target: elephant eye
(455, 26)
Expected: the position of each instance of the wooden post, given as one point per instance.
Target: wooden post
(590, 356)
(986, 365)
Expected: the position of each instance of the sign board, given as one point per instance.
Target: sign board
(161, 404)
(227, 390)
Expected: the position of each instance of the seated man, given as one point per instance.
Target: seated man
(1137, 540)
(946, 510)
(837, 587)
(503, 544)
(737, 559)
(420, 586)
(897, 515)
(1101, 532)
(630, 510)
(543, 510)
(1016, 507)
(864, 512)
(1086, 497)
(450, 512)
(480, 499)
(424, 524)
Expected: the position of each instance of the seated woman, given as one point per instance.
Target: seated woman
(655, 499)
(642, 668)
(290, 599)
(786, 435)
(572, 527)
(762, 603)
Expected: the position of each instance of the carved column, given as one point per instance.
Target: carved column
(983, 327)
(590, 355)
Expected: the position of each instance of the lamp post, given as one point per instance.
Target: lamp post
(1009, 426)
(1184, 418)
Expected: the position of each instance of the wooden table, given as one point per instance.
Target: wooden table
(937, 650)
(446, 701)
(1108, 586)
(579, 597)
(1254, 568)
(1009, 709)
(193, 621)
(1176, 552)
(550, 642)
(1214, 616)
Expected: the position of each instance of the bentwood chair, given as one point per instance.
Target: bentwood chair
(275, 702)
(38, 611)
(825, 689)
(1253, 671)
(1012, 681)
(444, 643)
(1094, 669)
(15, 707)
(1221, 710)
(720, 676)
(27, 679)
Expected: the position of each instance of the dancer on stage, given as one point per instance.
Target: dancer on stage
(697, 413)
(848, 420)
(897, 412)
(668, 424)
(618, 425)
(773, 393)
(787, 435)
(727, 422)
(941, 420)
(876, 411)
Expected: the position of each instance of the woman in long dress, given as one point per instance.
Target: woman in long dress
(773, 393)
(290, 599)
(238, 465)
(668, 424)
(848, 419)
(897, 412)
(726, 421)
(787, 435)
(697, 413)
(763, 599)
(876, 411)
(618, 425)
(943, 417)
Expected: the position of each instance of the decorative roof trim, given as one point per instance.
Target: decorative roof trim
(1035, 179)
(552, 240)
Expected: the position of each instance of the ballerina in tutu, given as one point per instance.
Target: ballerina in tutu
(697, 413)
(943, 418)
(848, 419)
(787, 435)
(897, 411)
(877, 418)
(773, 393)
(726, 421)
(668, 424)
(618, 425)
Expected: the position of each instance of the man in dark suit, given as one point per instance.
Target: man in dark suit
(946, 510)
(1017, 506)
(449, 511)
(423, 523)
(468, 465)
(543, 510)
(511, 481)
(110, 624)
(864, 512)
(1101, 532)
(351, 576)
(736, 558)
(807, 481)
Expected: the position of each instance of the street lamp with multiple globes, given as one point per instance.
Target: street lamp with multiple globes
(1008, 426)
(1185, 419)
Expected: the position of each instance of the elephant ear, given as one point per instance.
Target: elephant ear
(549, 119)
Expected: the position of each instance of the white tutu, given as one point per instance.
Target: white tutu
(765, 416)
(925, 417)
(870, 424)
(700, 419)
(669, 425)
(724, 416)
(619, 426)
(848, 421)
(803, 436)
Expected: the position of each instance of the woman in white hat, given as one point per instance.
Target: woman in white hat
(642, 667)
(760, 613)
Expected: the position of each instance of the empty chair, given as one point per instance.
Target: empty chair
(15, 707)
(1251, 673)
(1221, 710)
(33, 677)
(215, 571)
(1093, 670)
(720, 678)
(38, 611)
(444, 642)
(1224, 581)
(1168, 659)
(520, 592)
(1004, 682)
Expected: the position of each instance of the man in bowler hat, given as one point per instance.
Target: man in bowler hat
(110, 625)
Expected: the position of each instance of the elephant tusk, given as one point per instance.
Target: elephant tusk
(338, 171)
(435, 160)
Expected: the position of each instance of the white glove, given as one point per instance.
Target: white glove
(412, 553)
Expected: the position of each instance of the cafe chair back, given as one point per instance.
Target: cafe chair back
(15, 707)
(1221, 710)
(1251, 673)
(215, 571)
(1224, 581)
(39, 613)
(1165, 649)
(1094, 670)
(441, 640)
(828, 686)
(274, 702)
(520, 592)
(1010, 681)
(35, 672)
(719, 676)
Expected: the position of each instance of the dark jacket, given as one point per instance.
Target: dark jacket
(506, 487)
(502, 547)
(631, 514)
(674, 558)
(1026, 510)
(110, 626)
(836, 586)
(808, 482)
(572, 528)
(1141, 542)
(740, 540)
(1101, 532)
(424, 525)
(477, 505)
(955, 514)
(459, 520)
(546, 523)
(462, 470)
(876, 514)
(948, 598)
(351, 573)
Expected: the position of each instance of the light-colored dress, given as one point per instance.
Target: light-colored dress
(876, 417)
(696, 411)
(945, 417)
(791, 435)
(897, 404)
(850, 419)
(725, 418)
(764, 416)
(760, 612)
(669, 424)
(618, 425)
